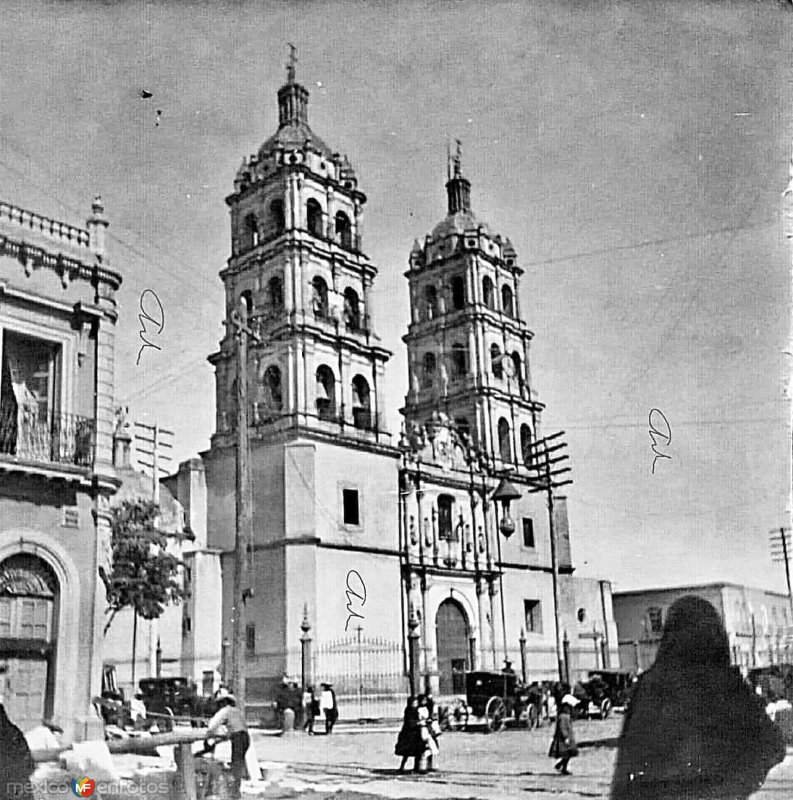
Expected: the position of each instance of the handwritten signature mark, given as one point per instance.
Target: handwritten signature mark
(356, 591)
(150, 312)
(660, 434)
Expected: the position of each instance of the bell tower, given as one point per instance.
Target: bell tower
(468, 345)
(297, 260)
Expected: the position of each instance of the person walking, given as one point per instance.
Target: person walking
(563, 746)
(310, 709)
(328, 705)
(694, 728)
(425, 731)
(16, 762)
(137, 711)
(231, 718)
(409, 743)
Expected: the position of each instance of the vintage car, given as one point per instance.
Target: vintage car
(604, 690)
(774, 682)
(170, 700)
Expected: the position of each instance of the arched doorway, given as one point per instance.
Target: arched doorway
(452, 638)
(29, 596)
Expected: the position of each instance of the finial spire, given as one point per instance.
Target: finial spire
(458, 158)
(458, 189)
(291, 65)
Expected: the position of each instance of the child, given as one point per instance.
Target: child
(563, 745)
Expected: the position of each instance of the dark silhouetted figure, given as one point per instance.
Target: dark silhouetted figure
(694, 730)
(16, 763)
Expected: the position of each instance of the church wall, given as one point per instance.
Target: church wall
(375, 477)
(220, 468)
(376, 577)
(521, 586)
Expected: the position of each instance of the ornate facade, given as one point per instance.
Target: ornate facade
(355, 537)
(57, 329)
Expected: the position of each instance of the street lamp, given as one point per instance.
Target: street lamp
(505, 494)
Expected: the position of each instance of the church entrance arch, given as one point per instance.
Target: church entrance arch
(29, 596)
(452, 637)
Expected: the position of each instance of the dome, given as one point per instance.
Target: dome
(293, 136)
(293, 129)
(457, 223)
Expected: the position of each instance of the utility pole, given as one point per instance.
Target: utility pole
(244, 514)
(780, 551)
(546, 480)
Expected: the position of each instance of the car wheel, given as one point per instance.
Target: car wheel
(605, 708)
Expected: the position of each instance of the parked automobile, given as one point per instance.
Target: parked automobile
(604, 690)
(170, 699)
(775, 682)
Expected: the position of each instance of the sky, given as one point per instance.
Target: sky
(634, 153)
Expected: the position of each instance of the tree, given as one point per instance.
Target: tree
(144, 576)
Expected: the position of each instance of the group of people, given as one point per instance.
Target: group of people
(420, 733)
(324, 705)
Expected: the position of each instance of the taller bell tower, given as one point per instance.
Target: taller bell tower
(297, 260)
(468, 345)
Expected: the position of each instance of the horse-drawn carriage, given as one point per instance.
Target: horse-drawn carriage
(494, 699)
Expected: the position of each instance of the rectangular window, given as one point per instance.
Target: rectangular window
(528, 532)
(250, 639)
(71, 518)
(31, 426)
(187, 625)
(207, 682)
(533, 611)
(351, 511)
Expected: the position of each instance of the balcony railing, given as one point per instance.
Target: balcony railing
(28, 435)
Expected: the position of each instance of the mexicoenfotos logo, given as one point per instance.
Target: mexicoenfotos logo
(83, 787)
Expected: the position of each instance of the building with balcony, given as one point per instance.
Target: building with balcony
(355, 536)
(57, 328)
(758, 622)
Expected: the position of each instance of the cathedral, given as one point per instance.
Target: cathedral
(360, 534)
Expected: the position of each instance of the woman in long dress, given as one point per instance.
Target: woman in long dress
(409, 743)
(563, 746)
(694, 728)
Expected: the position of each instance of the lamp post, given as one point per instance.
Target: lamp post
(504, 494)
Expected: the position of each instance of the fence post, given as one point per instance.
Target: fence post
(305, 649)
(523, 654)
(359, 629)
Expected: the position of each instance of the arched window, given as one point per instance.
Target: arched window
(463, 426)
(314, 217)
(361, 408)
(276, 220)
(488, 296)
(272, 386)
(495, 361)
(517, 366)
(428, 372)
(352, 309)
(275, 293)
(458, 292)
(247, 298)
(459, 361)
(319, 301)
(445, 516)
(525, 443)
(326, 393)
(251, 236)
(343, 230)
(507, 304)
(504, 442)
(431, 302)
